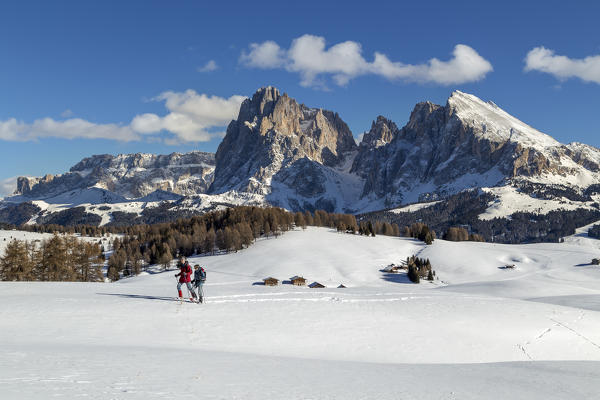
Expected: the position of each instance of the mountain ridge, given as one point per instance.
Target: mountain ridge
(281, 152)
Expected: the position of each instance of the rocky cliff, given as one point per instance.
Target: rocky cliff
(271, 134)
(128, 175)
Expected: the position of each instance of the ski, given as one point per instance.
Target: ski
(183, 300)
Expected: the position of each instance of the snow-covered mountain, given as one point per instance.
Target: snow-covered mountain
(283, 153)
(128, 175)
(467, 143)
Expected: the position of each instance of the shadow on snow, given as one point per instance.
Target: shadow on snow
(395, 277)
(140, 296)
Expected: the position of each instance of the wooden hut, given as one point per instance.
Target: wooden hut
(392, 268)
(316, 285)
(270, 281)
(298, 280)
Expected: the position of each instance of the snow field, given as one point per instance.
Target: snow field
(484, 332)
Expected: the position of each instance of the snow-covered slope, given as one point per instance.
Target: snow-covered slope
(509, 200)
(495, 123)
(479, 332)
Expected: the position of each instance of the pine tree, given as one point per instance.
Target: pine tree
(428, 238)
(54, 259)
(16, 264)
(236, 239)
(87, 259)
(246, 236)
(167, 257)
(309, 218)
(228, 244)
(299, 220)
(209, 242)
(317, 219)
(370, 229)
(413, 274)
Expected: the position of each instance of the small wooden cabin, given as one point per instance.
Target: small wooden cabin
(392, 268)
(298, 280)
(270, 281)
(316, 285)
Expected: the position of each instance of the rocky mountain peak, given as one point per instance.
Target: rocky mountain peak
(421, 113)
(272, 132)
(381, 133)
(261, 103)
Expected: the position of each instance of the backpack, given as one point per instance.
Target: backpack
(202, 274)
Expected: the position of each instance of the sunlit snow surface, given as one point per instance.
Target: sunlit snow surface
(480, 332)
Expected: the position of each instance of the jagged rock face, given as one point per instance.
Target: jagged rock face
(129, 175)
(382, 132)
(272, 132)
(467, 143)
(26, 183)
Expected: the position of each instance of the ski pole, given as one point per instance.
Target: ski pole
(179, 298)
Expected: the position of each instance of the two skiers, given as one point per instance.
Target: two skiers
(185, 274)
(198, 282)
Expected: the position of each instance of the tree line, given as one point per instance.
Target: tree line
(227, 230)
(59, 258)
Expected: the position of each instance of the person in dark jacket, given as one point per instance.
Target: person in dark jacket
(185, 274)
(198, 282)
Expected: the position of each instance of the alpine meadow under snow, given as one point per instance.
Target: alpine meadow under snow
(481, 330)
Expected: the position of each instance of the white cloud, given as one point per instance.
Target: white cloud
(264, 55)
(561, 67)
(309, 57)
(74, 128)
(466, 65)
(191, 117)
(67, 113)
(210, 66)
(8, 186)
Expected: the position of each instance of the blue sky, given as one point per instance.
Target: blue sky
(81, 78)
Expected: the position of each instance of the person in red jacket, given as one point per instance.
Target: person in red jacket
(185, 276)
